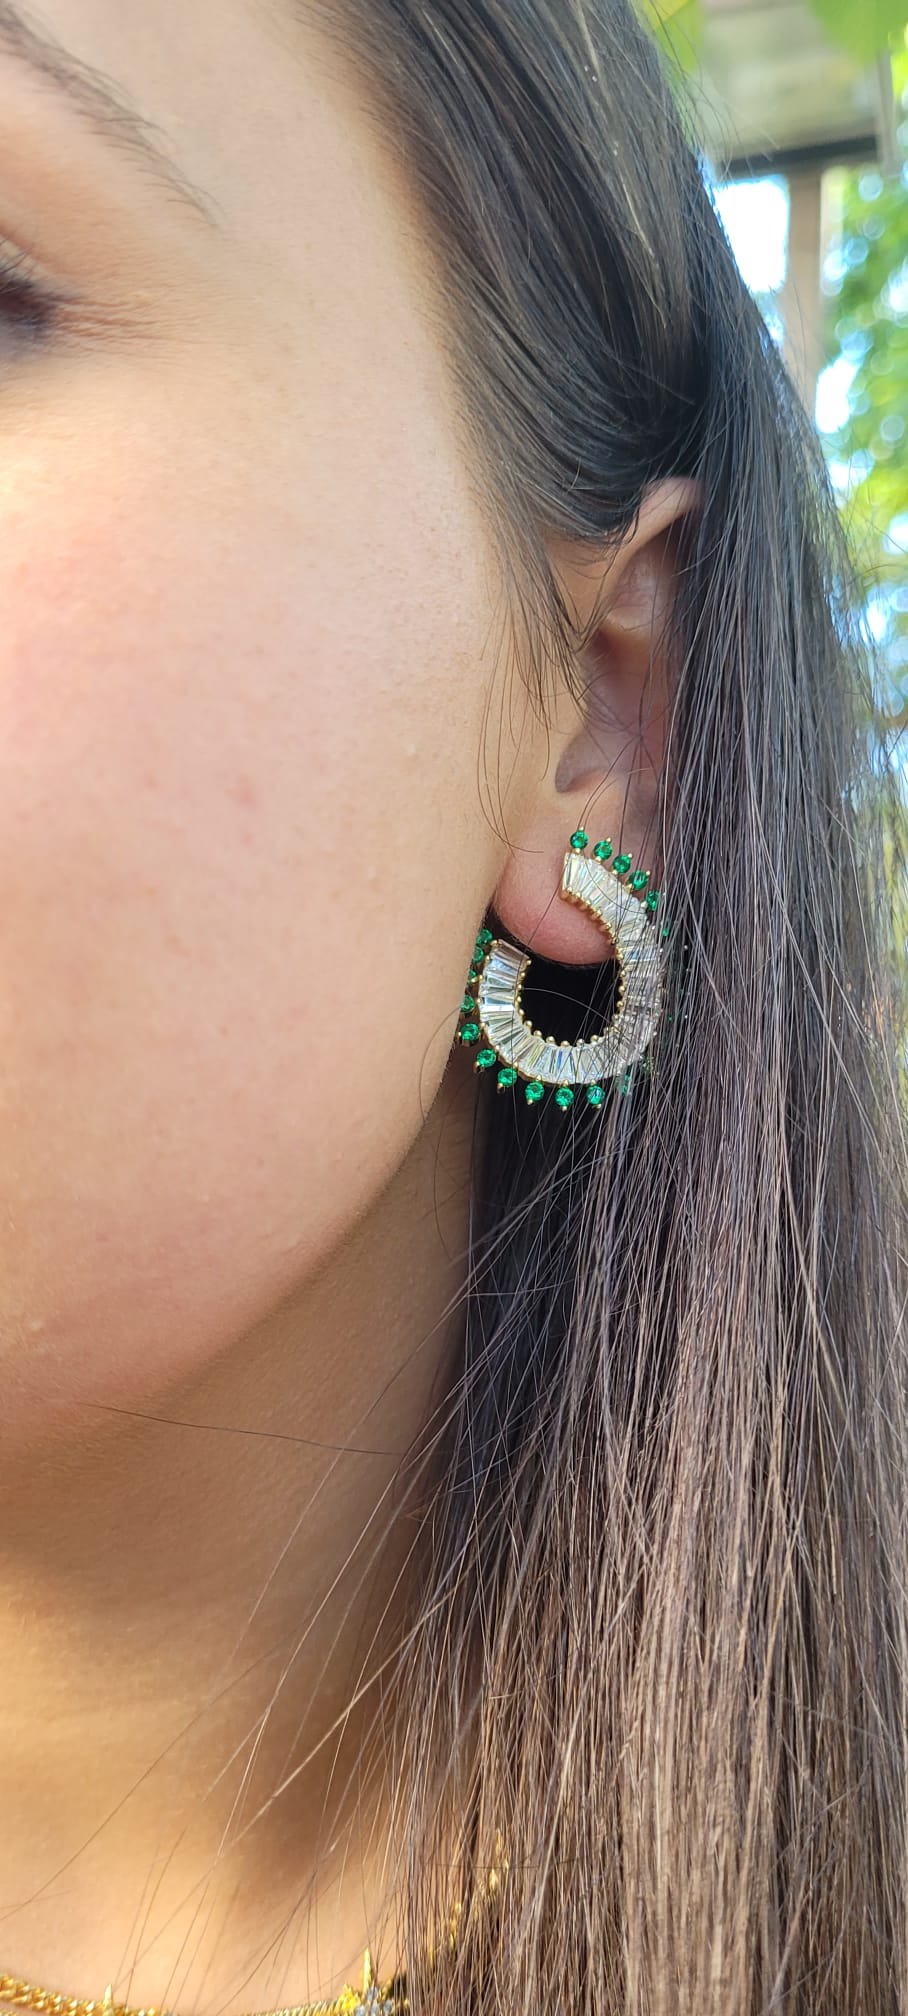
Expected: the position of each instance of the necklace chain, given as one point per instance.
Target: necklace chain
(370, 2000)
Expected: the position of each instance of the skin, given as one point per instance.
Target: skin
(253, 690)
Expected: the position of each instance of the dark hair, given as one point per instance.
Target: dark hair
(662, 1636)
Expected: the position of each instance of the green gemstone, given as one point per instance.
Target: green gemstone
(467, 1005)
(602, 850)
(595, 1094)
(640, 878)
(665, 932)
(579, 840)
(564, 1097)
(470, 1032)
(484, 939)
(651, 899)
(507, 1078)
(621, 863)
(625, 1083)
(485, 1059)
(535, 1091)
(473, 975)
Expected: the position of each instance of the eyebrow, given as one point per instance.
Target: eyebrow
(99, 103)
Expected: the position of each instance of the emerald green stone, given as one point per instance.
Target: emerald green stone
(507, 1078)
(651, 899)
(535, 1091)
(602, 850)
(467, 1005)
(473, 975)
(579, 840)
(564, 1097)
(595, 1094)
(485, 1059)
(484, 939)
(625, 1083)
(640, 878)
(665, 932)
(621, 863)
(470, 1032)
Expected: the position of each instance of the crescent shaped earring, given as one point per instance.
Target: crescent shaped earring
(491, 1017)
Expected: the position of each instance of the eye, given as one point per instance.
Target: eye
(27, 305)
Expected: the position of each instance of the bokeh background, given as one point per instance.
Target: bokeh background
(802, 106)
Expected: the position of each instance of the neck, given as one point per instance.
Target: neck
(197, 1595)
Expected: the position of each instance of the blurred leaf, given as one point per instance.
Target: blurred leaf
(864, 30)
(667, 11)
(677, 27)
(865, 284)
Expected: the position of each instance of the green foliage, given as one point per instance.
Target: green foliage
(865, 30)
(677, 27)
(866, 287)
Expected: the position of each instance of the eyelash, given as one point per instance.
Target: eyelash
(25, 301)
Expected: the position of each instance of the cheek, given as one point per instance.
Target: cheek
(237, 795)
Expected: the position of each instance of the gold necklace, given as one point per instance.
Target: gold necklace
(369, 2000)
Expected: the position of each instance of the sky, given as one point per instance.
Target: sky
(755, 216)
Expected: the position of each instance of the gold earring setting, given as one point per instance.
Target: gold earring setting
(492, 1019)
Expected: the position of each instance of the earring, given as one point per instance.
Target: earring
(491, 1016)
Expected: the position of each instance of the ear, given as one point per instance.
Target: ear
(606, 743)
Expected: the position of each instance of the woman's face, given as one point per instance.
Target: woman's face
(250, 615)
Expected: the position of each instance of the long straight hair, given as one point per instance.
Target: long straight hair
(658, 1670)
